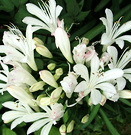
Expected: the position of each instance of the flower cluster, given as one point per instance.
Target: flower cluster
(45, 99)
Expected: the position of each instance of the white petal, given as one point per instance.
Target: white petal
(46, 129)
(104, 21)
(125, 94)
(82, 70)
(113, 53)
(110, 75)
(37, 125)
(128, 70)
(3, 78)
(46, 108)
(121, 83)
(108, 87)
(125, 27)
(34, 116)
(16, 122)
(120, 43)
(82, 86)
(58, 10)
(127, 76)
(125, 37)
(95, 96)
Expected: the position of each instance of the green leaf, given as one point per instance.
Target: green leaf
(6, 5)
(82, 15)
(7, 131)
(108, 123)
(81, 4)
(17, 3)
(125, 101)
(54, 131)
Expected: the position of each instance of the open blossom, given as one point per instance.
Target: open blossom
(47, 14)
(114, 30)
(45, 120)
(69, 83)
(96, 80)
(17, 47)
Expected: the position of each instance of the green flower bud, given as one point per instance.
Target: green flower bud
(70, 126)
(85, 119)
(45, 101)
(56, 77)
(62, 129)
(37, 41)
(51, 66)
(59, 71)
(40, 96)
(85, 40)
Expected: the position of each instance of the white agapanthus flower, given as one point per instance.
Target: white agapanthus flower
(69, 83)
(114, 30)
(121, 62)
(18, 111)
(47, 14)
(95, 80)
(17, 47)
(45, 120)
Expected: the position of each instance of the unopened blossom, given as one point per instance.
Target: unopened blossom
(114, 30)
(47, 14)
(79, 53)
(121, 63)
(22, 95)
(46, 119)
(95, 80)
(48, 78)
(16, 114)
(62, 129)
(69, 83)
(17, 47)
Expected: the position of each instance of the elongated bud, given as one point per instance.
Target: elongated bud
(70, 126)
(85, 41)
(37, 86)
(59, 71)
(47, 77)
(45, 101)
(62, 129)
(56, 93)
(85, 119)
(40, 97)
(37, 41)
(51, 66)
(42, 50)
(56, 77)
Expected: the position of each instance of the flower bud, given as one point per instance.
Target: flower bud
(56, 77)
(42, 50)
(59, 71)
(51, 66)
(62, 129)
(37, 41)
(47, 77)
(70, 126)
(85, 119)
(56, 93)
(37, 86)
(40, 96)
(45, 101)
(85, 41)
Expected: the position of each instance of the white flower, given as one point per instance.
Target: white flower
(18, 111)
(113, 30)
(24, 96)
(47, 15)
(17, 47)
(121, 62)
(96, 81)
(62, 41)
(45, 120)
(69, 83)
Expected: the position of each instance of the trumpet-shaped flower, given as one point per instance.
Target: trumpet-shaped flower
(114, 30)
(45, 120)
(18, 111)
(96, 80)
(47, 14)
(17, 47)
(121, 62)
(69, 83)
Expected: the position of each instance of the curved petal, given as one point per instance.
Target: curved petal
(121, 83)
(95, 96)
(37, 125)
(108, 87)
(82, 70)
(110, 75)
(16, 122)
(120, 43)
(125, 37)
(82, 86)
(128, 70)
(127, 76)
(58, 10)
(125, 94)
(46, 129)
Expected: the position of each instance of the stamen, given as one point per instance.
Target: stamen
(77, 38)
(95, 43)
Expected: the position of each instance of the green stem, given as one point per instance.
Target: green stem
(108, 123)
